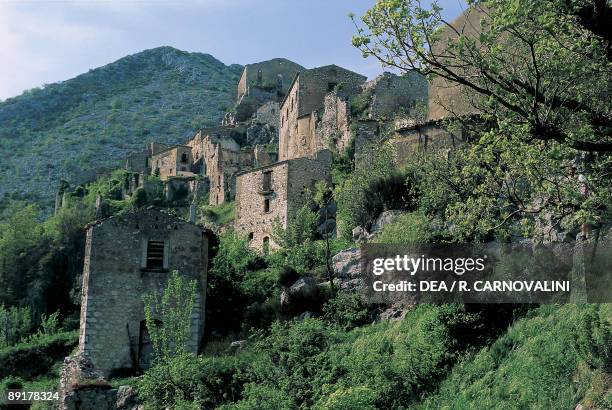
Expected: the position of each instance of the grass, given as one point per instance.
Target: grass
(220, 215)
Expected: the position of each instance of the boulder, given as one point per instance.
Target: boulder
(360, 234)
(396, 311)
(304, 286)
(347, 270)
(347, 263)
(127, 399)
(306, 315)
(383, 219)
(237, 345)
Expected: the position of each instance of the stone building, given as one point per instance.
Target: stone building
(127, 256)
(219, 157)
(139, 161)
(391, 94)
(306, 96)
(174, 161)
(274, 193)
(263, 81)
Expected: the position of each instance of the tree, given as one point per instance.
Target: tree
(168, 317)
(534, 79)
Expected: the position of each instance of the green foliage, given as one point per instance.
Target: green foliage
(203, 382)
(220, 215)
(358, 397)
(360, 104)
(301, 228)
(15, 325)
(366, 192)
(346, 310)
(532, 71)
(410, 228)
(49, 324)
(139, 198)
(169, 317)
(226, 300)
(255, 394)
(37, 356)
(546, 360)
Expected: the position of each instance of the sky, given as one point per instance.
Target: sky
(45, 41)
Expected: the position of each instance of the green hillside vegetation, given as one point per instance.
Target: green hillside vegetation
(72, 129)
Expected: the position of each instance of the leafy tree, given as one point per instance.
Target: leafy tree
(168, 317)
(536, 75)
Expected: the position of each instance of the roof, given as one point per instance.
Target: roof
(148, 209)
(170, 149)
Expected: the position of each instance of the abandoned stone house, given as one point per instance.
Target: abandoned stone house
(306, 96)
(261, 82)
(274, 193)
(176, 160)
(127, 256)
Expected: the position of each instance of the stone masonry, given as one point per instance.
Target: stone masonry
(306, 95)
(274, 193)
(127, 256)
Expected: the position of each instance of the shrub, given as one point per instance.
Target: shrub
(346, 310)
(359, 397)
(36, 357)
(168, 317)
(139, 198)
(411, 228)
(204, 382)
(287, 276)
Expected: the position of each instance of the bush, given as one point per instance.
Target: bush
(204, 382)
(549, 359)
(411, 228)
(287, 276)
(139, 198)
(35, 358)
(346, 310)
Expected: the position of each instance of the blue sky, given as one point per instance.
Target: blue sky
(45, 41)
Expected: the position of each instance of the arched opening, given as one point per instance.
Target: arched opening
(184, 158)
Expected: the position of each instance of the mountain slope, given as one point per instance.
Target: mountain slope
(71, 129)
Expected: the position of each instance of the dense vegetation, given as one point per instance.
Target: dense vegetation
(74, 129)
(327, 349)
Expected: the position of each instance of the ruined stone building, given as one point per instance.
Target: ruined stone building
(261, 82)
(274, 193)
(176, 160)
(127, 256)
(306, 96)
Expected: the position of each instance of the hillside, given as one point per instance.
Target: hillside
(71, 129)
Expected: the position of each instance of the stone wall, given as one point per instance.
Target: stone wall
(267, 74)
(137, 162)
(259, 206)
(392, 93)
(116, 276)
(413, 142)
(174, 161)
(334, 127)
(261, 82)
(307, 95)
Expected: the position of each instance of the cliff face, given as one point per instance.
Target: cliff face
(76, 128)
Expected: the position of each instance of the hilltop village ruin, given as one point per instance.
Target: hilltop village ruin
(278, 140)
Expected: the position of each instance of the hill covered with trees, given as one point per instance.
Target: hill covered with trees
(72, 129)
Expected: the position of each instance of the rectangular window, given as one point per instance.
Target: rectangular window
(155, 255)
(267, 181)
(266, 205)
